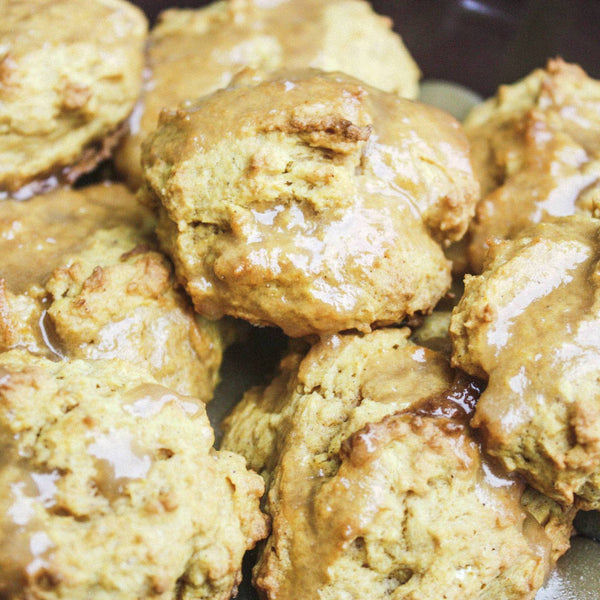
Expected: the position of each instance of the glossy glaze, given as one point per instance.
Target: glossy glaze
(35, 234)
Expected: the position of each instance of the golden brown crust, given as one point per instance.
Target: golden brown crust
(36, 234)
(98, 451)
(216, 42)
(528, 324)
(536, 153)
(22, 323)
(93, 285)
(377, 486)
(309, 201)
(117, 297)
(71, 74)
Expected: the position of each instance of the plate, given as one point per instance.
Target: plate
(465, 49)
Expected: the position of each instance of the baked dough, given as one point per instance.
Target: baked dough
(70, 74)
(536, 150)
(36, 234)
(529, 325)
(309, 201)
(110, 487)
(94, 286)
(376, 485)
(195, 52)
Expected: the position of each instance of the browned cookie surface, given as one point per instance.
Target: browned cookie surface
(110, 487)
(70, 74)
(536, 150)
(82, 278)
(310, 201)
(378, 487)
(193, 52)
(530, 325)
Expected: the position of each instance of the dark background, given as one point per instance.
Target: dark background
(482, 43)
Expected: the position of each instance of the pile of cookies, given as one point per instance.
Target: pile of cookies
(265, 164)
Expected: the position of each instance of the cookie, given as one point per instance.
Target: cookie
(93, 285)
(110, 487)
(309, 201)
(527, 325)
(70, 75)
(377, 486)
(536, 153)
(194, 52)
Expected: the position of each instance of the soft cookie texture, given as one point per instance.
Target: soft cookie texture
(110, 487)
(92, 288)
(376, 485)
(70, 74)
(309, 201)
(192, 53)
(530, 325)
(536, 150)
(36, 234)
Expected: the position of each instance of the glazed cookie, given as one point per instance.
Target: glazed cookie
(70, 74)
(116, 297)
(110, 487)
(529, 325)
(536, 150)
(215, 42)
(309, 201)
(377, 487)
(36, 234)
(101, 291)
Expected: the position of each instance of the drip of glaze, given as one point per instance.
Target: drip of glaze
(120, 459)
